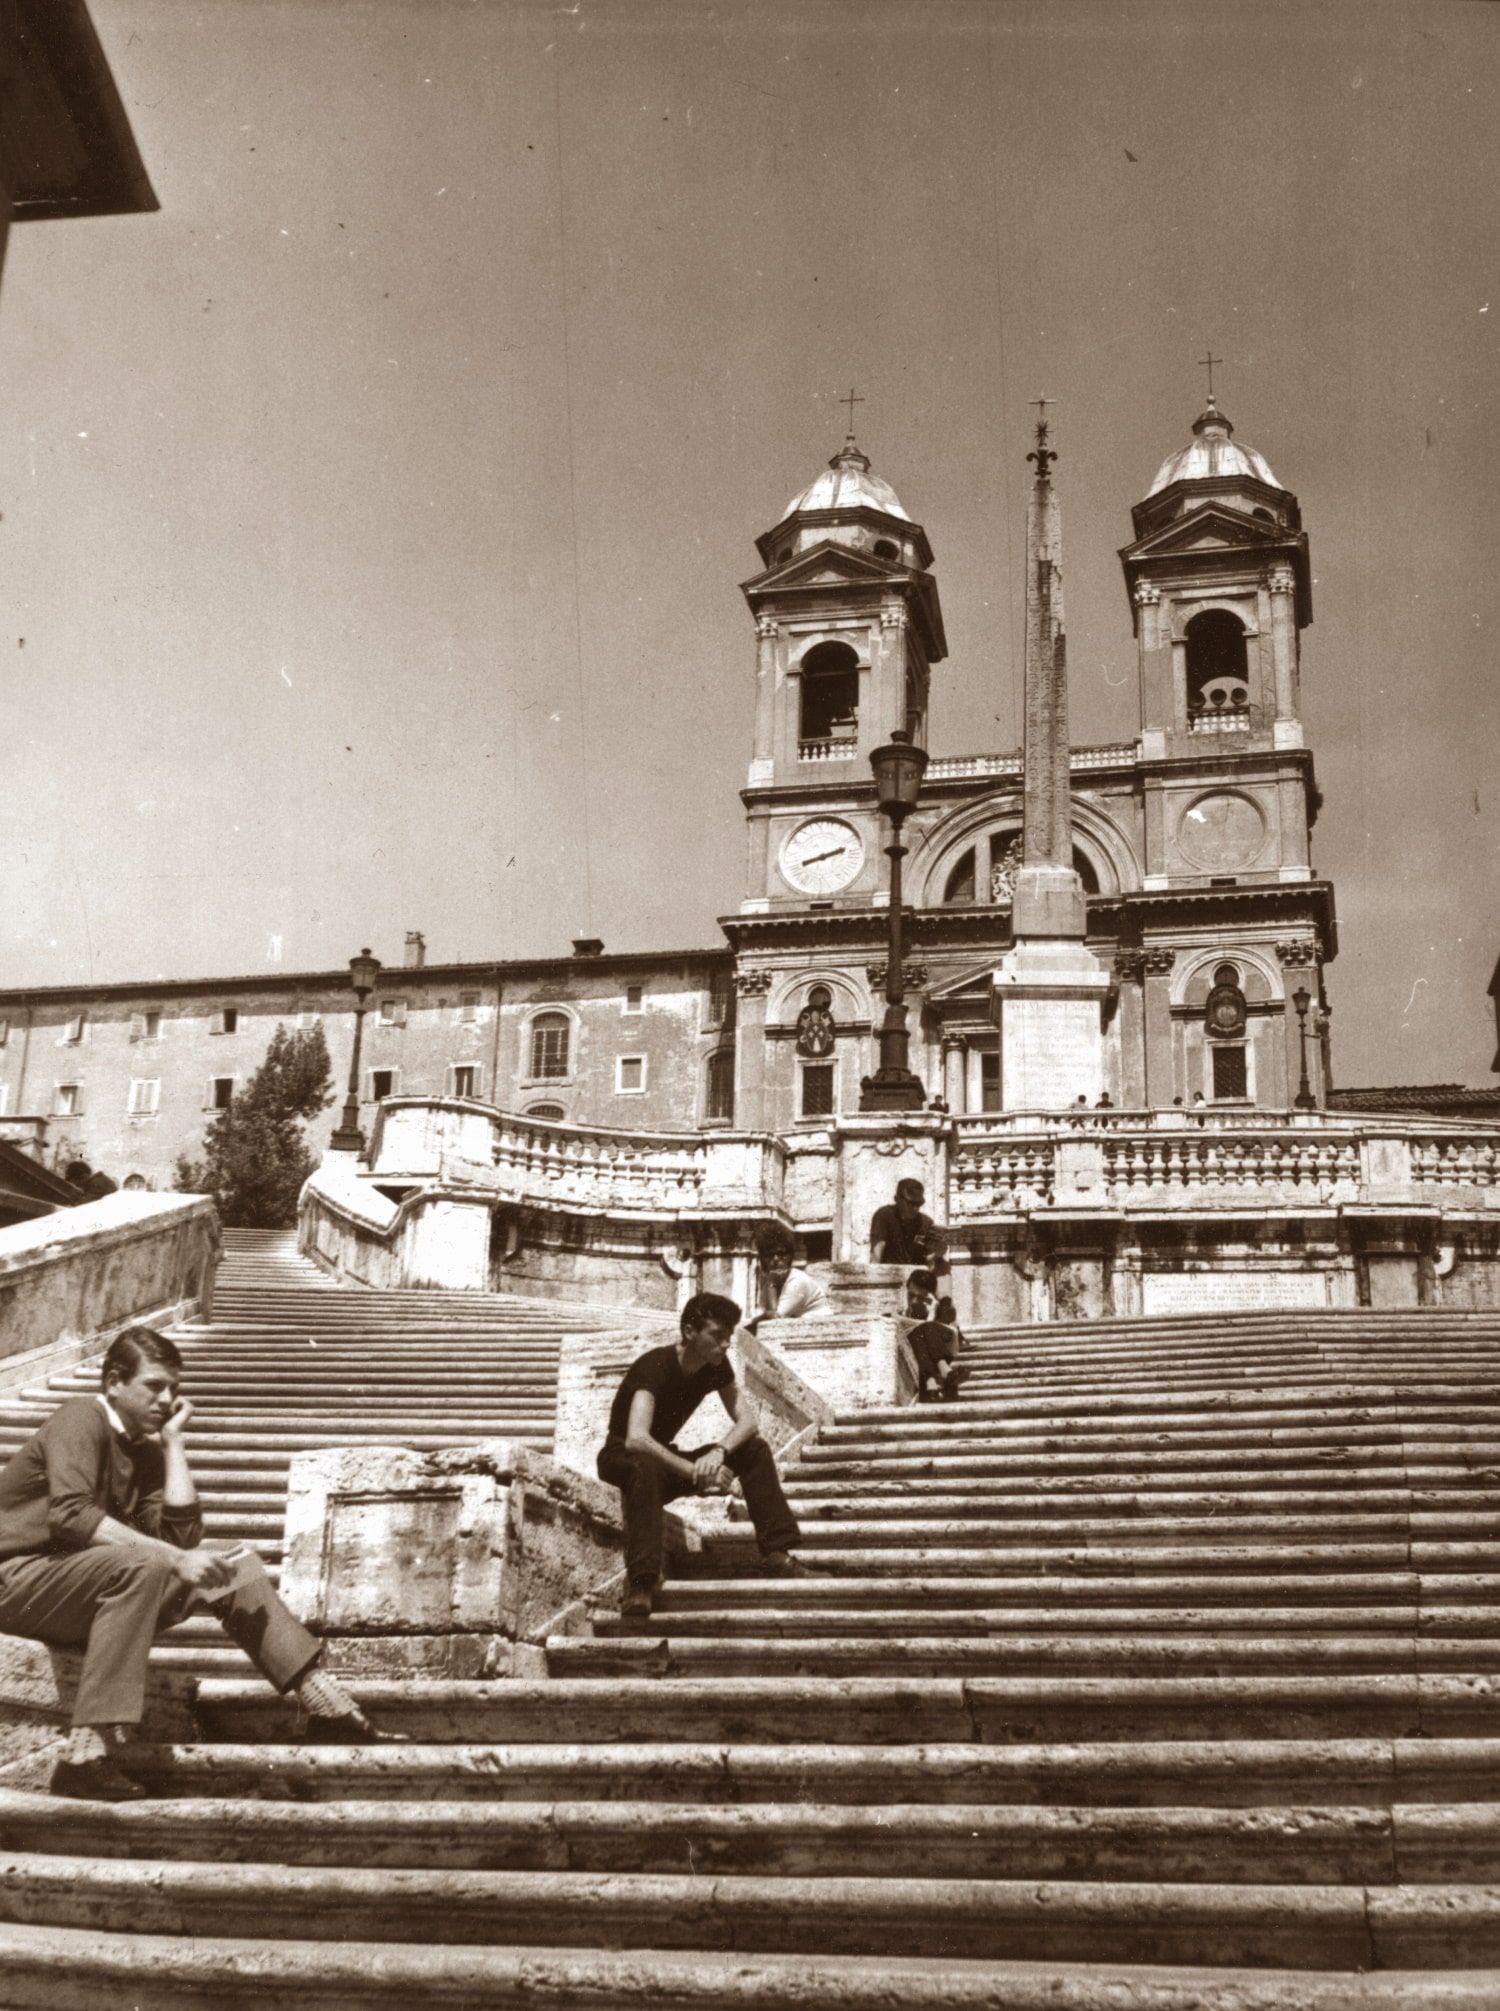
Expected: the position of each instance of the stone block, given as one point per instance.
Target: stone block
(849, 1363)
(875, 1152)
(447, 1561)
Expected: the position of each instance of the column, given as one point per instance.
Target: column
(750, 1051)
(1156, 982)
(973, 1079)
(1283, 586)
(1130, 1028)
(954, 1075)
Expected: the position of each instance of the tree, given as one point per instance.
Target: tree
(255, 1152)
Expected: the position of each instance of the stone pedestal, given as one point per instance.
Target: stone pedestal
(874, 1152)
(1048, 1001)
(454, 1563)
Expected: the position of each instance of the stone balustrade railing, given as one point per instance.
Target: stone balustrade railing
(576, 1167)
(1009, 1164)
(949, 767)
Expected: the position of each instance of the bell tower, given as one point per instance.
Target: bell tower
(1220, 591)
(848, 627)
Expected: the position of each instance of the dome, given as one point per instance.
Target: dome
(847, 484)
(1214, 455)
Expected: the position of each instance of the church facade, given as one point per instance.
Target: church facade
(1192, 844)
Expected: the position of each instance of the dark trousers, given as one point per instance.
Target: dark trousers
(933, 1352)
(646, 1487)
(112, 1600)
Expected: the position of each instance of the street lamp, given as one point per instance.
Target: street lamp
(898, 770)
(363, 972)
(1302, 999)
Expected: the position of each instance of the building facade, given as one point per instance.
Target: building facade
(1193, 843)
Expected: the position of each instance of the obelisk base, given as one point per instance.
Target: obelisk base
(1048, 905)
(1048, 1001)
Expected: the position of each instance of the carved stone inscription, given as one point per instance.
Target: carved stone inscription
(1230, 1291)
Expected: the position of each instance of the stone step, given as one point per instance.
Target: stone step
(903, 1711)
(913, 1524)
(1345, 1927)
(962, 1617)
(826, 1548)
(1366, 1772)
(70, 1969)
(645, 1650)
(1368, 1460)
(966, 1582)
(1296, 1844)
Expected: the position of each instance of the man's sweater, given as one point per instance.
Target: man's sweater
(60, 1485)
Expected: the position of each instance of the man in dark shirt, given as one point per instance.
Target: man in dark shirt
(901, 1234)
(659, 1393)
(100, 1547)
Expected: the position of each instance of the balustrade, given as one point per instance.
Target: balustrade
(1465, 1160)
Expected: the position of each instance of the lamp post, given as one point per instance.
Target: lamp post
(363, 972)
(1302, 999)
(898, 770)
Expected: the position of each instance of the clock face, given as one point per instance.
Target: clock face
(822, 856)
(1222, 833)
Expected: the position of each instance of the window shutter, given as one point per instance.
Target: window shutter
(137, 1026)
(208, 1094)
(398, 1012)
(4, 1031)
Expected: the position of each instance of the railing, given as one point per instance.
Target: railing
(574, 1167)
(1220, 719)
(827, 750)
(951, 767)
(1011, 1162)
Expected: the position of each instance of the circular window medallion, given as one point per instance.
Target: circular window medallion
(1222, 833)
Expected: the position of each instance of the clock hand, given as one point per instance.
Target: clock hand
(818, 857)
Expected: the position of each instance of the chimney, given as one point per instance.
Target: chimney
(416, 950)
(588, 946)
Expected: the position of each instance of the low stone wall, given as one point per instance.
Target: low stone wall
(851, 1362)
(438, 1236)
(456, 1563)
(70, 1281)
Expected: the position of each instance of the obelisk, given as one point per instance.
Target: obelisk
(1049, 990)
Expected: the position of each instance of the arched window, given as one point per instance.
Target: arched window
(1218, 680)
(552, 1112)
(718, 1105)
(549, 1046)
(962, 885)
(884, 549)
(830, 692)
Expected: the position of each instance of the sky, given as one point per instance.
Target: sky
(372, 517)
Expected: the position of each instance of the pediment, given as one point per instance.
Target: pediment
(829, 565)
(1209, 528)
(971, 984)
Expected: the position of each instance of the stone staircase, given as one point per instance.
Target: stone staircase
(1161, 1673)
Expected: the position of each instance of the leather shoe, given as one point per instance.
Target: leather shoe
(781, 1564)
(636, 1605)
(94, 1781)
(348, 1728)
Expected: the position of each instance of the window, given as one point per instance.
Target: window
(551, 1112)
(382, 1084)
(73, 1031)
(630, 1074)
(145, 1096)
(718, 1105)
(830, 693)
(464, 1079)
(884, 549)
(633, 997)
(68, 1100)
(549, 1046)
(1217, 674)
(226, 1020)
(4, 1031)
(468, 1008)
(989, 1080)
(817, 1089)
(721, 999)
(219, 1093)
(306, 1021)
(393, 1012)
(1230, 1078)
(145, 1025)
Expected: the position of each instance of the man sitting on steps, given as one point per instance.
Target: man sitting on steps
(100, 1548)
(660, 1391)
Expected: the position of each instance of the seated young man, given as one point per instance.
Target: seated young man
(659, 1393)
(936, 1344)
(101, 1547)
(787, 1291)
